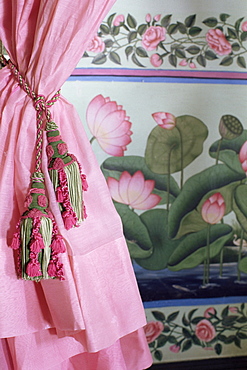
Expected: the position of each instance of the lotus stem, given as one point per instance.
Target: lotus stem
(240, 253)
(218, 150)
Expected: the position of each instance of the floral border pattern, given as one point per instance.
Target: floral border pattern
(160, 39)
(212, 331)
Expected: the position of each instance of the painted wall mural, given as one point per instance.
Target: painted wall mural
(161, 92)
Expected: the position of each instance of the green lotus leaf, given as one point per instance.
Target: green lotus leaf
(135, 232)
(114, 166)
(191, 250)
(243, 265)
(195, 190)
(156, 223)
(169, 151)
(240, 205)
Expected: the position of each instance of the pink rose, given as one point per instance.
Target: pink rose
(152, 330)
(148, 18)
(205, 331)
(156, 60)
(165, 120)
(218, 42)
(244, 26)
(28, 200)
(209, 311)
(49, 151)
(152, 37)
(96, 45)
(192, 65)
(243, 157)
(183, 63)
(62, 148)
(233, 309)
(174, 348)
(118, 20)
(213, 209)
(157, 17)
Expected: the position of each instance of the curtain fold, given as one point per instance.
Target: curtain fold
(98, 304)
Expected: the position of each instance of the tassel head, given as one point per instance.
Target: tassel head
(67, 178)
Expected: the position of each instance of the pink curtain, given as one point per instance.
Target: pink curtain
(54, 324)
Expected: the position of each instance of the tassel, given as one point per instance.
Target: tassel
(67, 178)
(36, 238)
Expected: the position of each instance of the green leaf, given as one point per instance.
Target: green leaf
(195, 188)
(128, 51)
(210, 22)
(242, 335)
(243, 265)
(235, 46)
(191, 313)
(177, 148)
(232, 33)
(136, 61)
(242, 320)
(185, 322)
(186, 333)
(197, 319)
(193, 49)
(156, 223)
(99, 59)
(166, 20)
(114, 166)
(182, 28)
(194, 31)
(104, 29)
(224, 16)
(172, 339)
(158, 315)
(141, 52)
(218, 348)
(240, 205)
(158, 355)
(196, 341)
(190, 20)
(180, 53)
(225, 312)
(243, 36)
(166, 329)
(237, 342)
(227, 61)
(132, 36)
(115, 30)
(191, 250)
(173, 28)
(108, 43)
(134, 229)
(187, 344)
(201, 60)
(241, 62)
(137, 252)
(210, 55)
(172, 316)
(110, 19)
(222, 338)
(237, 23)
(114, 57)
(131, 21)
(172, 60)
(162, 340)
(142, 28)
(229, 320)
(230, 339)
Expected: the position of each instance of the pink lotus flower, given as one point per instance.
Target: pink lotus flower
(243, 157)
(217, 41)
(148, 18)
(152, 37)
(208, 311)
(96, 45)
(156, 60)
(165, 120)
(192, 65)
(244, 26)
(152, 330)
(205, 331)
(174, 348)
(118, 20)
(213, 209)
(183, 63)
(109, 124)
(134, 190)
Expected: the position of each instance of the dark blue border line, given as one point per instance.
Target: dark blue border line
(137, 79)
(195, 302)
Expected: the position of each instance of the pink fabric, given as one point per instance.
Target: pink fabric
(97, 308)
